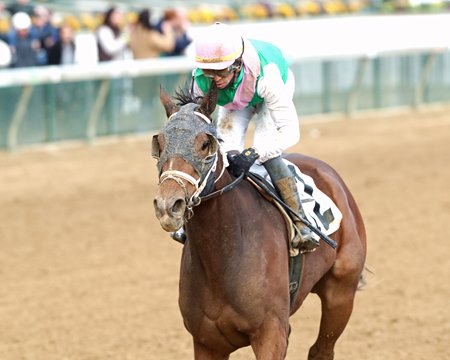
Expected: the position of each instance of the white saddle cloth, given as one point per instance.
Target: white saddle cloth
(319, 209)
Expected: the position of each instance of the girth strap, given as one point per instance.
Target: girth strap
(296, 264)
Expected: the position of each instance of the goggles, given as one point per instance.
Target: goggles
(220, 73)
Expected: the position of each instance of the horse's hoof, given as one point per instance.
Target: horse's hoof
(315, 354)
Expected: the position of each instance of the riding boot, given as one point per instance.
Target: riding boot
(179, 236)
(284, 182)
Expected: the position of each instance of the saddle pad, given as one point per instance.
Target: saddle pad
(319, 209)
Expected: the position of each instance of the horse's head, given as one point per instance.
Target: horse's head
(187, 152)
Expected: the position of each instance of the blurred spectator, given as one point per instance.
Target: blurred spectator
(24, 46)
(4, 21)
(44, 31)
(147, 42)
(63, 51)
(178, 21)
(5, 54)
(20, 6)
(112, 41)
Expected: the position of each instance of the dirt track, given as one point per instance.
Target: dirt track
(86, 273)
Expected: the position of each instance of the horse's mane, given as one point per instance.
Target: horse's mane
(184, 96)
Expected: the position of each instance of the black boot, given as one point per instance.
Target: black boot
(284, 182)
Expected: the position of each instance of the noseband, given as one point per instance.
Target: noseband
(200, 183)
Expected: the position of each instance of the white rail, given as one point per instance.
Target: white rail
(300, 40)
(328, 39)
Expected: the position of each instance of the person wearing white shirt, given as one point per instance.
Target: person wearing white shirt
(112, 41)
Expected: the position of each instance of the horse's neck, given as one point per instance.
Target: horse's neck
(216, 224)
(215, 244)
(228, 236)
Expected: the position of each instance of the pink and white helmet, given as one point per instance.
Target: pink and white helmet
(217, 47)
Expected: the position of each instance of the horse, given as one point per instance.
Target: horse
(233, 287)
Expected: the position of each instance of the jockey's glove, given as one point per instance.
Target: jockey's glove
(241, 163)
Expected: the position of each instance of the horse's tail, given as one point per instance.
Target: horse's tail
(363, 278)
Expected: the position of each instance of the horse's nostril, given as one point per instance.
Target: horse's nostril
(157, 208)
(178, 207)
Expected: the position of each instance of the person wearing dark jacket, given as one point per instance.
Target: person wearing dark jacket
(24, 46)
(63, 51)
(44, 31)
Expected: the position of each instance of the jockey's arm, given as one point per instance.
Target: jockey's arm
(278, 98)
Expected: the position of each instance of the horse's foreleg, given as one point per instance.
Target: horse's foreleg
(201, 352)
(270, 341)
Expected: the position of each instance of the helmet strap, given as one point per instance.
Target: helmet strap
(235, 76)
(238, 67)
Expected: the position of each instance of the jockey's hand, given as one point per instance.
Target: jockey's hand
(241, 163)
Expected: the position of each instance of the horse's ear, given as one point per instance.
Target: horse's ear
(208, 104)
(167, 102)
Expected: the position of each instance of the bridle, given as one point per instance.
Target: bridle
(203, 180)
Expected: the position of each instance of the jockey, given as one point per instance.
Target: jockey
(252, 78)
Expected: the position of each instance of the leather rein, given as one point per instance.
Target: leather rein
(225, 189)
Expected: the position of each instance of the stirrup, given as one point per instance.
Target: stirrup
(179, 236)
(305, 241)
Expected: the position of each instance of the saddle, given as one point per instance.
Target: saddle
(322, 216)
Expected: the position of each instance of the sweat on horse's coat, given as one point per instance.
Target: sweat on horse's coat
(234, 289)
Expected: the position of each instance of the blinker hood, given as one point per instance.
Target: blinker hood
(179, 139)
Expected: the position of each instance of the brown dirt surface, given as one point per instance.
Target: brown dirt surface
(86, 272)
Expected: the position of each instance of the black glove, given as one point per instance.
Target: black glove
(241, 163)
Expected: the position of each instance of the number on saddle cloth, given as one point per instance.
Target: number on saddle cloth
(319, 209)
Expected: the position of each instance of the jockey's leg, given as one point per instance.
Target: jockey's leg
(284, 182)
(232, 126)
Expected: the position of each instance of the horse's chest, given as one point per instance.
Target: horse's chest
(217, 323)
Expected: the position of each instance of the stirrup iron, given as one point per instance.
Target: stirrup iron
(179, 236)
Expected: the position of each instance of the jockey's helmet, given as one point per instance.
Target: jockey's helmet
(217, 47)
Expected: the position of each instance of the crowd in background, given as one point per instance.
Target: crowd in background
(33, 35)
(38, 37)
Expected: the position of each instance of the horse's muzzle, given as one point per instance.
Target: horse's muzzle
(170, 212)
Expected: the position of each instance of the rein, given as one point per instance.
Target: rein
(225, 189)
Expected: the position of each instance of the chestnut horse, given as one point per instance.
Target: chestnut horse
(234, 283)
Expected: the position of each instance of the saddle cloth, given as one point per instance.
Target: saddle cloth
(319, 209)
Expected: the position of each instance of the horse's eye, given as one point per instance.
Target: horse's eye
(206, 145)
